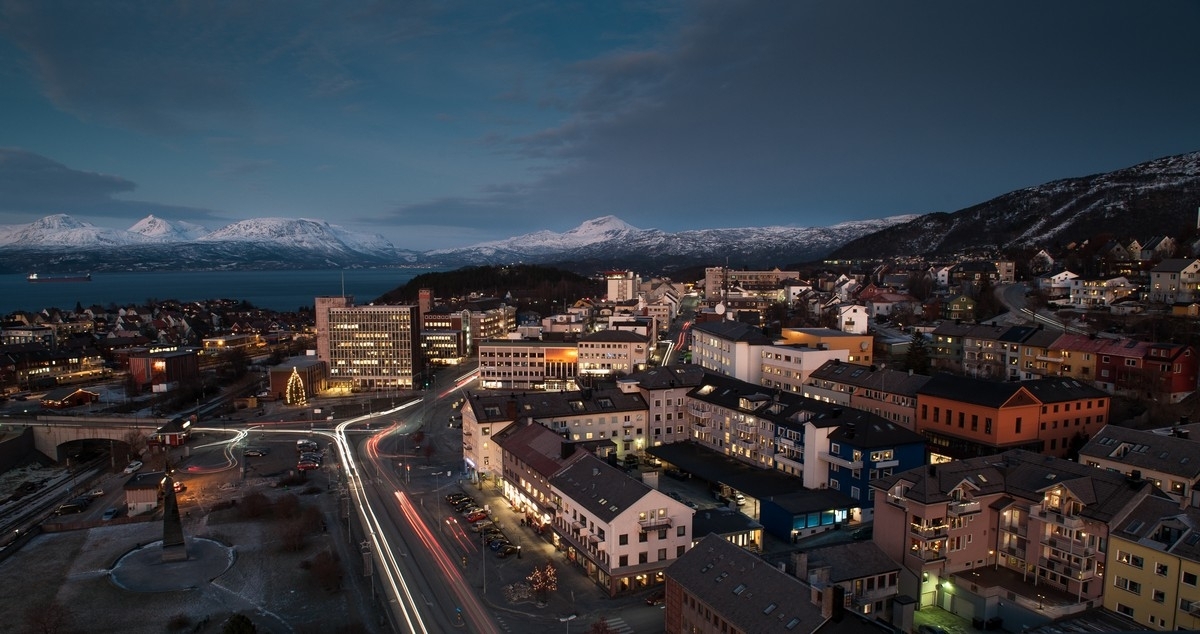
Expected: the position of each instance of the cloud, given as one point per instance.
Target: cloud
(33, 185)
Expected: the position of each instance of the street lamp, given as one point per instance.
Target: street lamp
(567, 619)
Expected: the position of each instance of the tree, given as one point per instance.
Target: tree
(543, 580)
(917, 358)
(601, 627)
(295, 390)
(46, 618)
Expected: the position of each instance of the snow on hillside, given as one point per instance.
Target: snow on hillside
(157, 229)
(61, 230)
(299, 233)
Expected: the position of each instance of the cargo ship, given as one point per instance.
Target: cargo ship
(36, 279)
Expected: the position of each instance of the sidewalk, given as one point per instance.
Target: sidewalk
(576, 593)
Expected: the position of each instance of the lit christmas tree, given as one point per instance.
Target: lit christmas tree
(295, 390)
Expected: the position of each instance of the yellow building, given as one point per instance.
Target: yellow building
(859, 347)
(1152, 570)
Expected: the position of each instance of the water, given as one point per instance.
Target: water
(274, 290)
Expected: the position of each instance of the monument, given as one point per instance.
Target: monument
(173, 546)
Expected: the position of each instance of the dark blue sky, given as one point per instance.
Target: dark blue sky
(449, 123)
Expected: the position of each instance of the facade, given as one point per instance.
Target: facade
(491, 319)
(527, 365)
(890, 394)
(621, 285)
(859, 347)
(67, 397)
(1098, 293)
(1169, 459)
(664, 390)
(1046, 520)
(1175, 280)
(612, 353)
(164, 368)
(530, 455)
(621, 532)
(717, 279)
(857, 455)
(729, 348)
(214, 345)
(313, 374)
(369, 347)
(1153, 562)
(142, 492)
(868, 580)
(446, 335)
(788, 367)
(718, 588)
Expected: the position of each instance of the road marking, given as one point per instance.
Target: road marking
(618, 625)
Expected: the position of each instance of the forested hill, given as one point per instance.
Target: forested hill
(523, 281)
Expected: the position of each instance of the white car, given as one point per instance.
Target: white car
(133, 466)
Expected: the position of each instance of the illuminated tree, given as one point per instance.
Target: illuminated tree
(543, 580)
(295, 390)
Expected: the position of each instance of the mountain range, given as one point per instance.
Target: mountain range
(1158, 197)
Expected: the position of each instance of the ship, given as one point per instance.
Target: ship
(36, 279)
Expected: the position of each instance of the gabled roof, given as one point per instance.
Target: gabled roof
(1058, 390)
(536, 446)
(869, 377)
(966, 389)
(1148, 450)
(1173, 265)
(665, 377)
(599, 489)
(747, 592)
(847, 562)
(784, 409)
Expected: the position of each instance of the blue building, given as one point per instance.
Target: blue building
(859, 453)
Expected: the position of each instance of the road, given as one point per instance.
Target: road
(1012, 296)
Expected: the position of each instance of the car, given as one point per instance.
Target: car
(479, 526)
(656, 598)
(498, 544)
(179, 486)
(109, 514)
(133, 467)
(470, 510)
(307, 466)
(862, 534)
(254, 451)
(96, 493)
(931, 629)
(690, 504)
(457, 498)
(464, 505)
(505, 551)
(477, 515)
(740, 499)
(675, 496)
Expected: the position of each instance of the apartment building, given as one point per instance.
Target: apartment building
(506, 364)
(611, 353)
(718, 279)
(1168, 458)
(530, 454)
(609, 416)
(788, 368)
(718, 588)
(446, 335)
(962, 417)
(1006, 525)
(619, 531)
(1094, 294)
(664, 389)
(1175, 280)
(859, 347)
(369, 347)
(1153, 566)
(491, 318)
(890, 394)
(730, 348)
(621, 286)
(857, 455)
(865, 577)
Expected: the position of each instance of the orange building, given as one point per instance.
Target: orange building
(962, 417)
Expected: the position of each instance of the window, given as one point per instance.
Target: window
(623, 540)
(1160, 596)
(1189, 578)
(662, 533)
(623, 561)
(642, 537)
(681, 531)
(1018, 429)
(987, 426)
(1128, 585)
(662, 554)
(643, 557)
(1160, 569)
(1124, 609)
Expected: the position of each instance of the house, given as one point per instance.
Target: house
(621, 532)
(67, 397)
(1168, 458)
(612, 353)
(1093, 294)
(663, 389)
(1175, 280)
(718, 588)
(890, 394)
(867, 579)
(142, 492)
(959, 308)
(1153, 560)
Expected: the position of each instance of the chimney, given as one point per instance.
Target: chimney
(512, 408)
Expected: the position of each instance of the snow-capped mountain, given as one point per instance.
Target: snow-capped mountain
(302, 233)
(609, 241)
(156, 229)
(61, 230)
(1158, 197)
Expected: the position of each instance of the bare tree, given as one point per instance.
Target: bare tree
(46, 618)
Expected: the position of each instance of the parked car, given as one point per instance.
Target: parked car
(133, 467)
(931, 629)
(656, 598)
(96, 493)
(675, 496)
(479, 526)
(861, 534)
(498, 544)
(69, 508)
(505, 551)
(477, 515)
(254, 451)
(739, 499)
(307, 466)
(109, 514)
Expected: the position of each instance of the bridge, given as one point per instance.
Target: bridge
(50, 432)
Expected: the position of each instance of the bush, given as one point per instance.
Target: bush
(291, 480)
(254, 505)
(287, 507)
(179, 622)
(326, 570)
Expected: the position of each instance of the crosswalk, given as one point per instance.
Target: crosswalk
(618, 625)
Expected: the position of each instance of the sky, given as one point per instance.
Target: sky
(450, 123)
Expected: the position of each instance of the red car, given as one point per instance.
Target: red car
(307, 466)
(476, 516)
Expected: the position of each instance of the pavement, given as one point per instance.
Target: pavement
(143, 569)
(576, 595)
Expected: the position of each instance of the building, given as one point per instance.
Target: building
(446, 335)
(788, 367)
(491, 318)
(142, 492)
(216, 345)
(1153, 560)
(718, 588)
(1175, 280)
(866, 579)
(312, 371)
(730, 348)
(164, 370)
(612, 353)
(718, 279)
(963, 417)
(621, 532)
(890, 394)
(664, 390)
(622, 286)
(530, 455)
(1168, 458)
(606, 415)
(68, 397)
(857, 455)
(528, 365)
(859, 347)
(1098, 293)
(1017, 536)
(369, 347)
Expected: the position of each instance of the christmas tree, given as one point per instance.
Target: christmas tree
(295, 390)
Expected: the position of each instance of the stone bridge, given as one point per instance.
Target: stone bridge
(50, 432)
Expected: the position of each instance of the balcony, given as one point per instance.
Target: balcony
(1048, 358)
(792, 462)
(868, 597)
(746, 428)
(838, 460)
(958, 509)
(929, 555)
(897, 500)
(928, 532)
(699, 413)
(787, 443)
(654, 523)
(1073, 572)
(748, 445)
(1070, 547)
(1052, 515)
